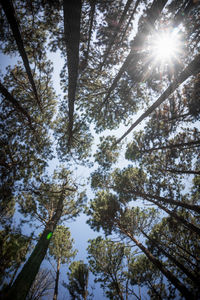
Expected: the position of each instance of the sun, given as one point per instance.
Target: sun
(165, 47)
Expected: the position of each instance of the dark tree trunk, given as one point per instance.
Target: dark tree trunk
(180, 171)
(129, 21)
(29, 271)
(10, 15)
(158, 245)
(172, 146)
(175, 281)
(192, 207)
(16, 104)
(192, 69)
(92, 12)
(13, 275)
(181, 220)
(72, 16)
(55, 297)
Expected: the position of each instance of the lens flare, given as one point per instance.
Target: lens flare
(166, 46)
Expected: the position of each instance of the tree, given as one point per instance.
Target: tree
(144, 273)
(109, 262)
(61, 249)
(78, 280)
(48, 203)
(108, 213)
(192, 69)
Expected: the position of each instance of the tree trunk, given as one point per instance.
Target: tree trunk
(86, 287)
(175, 281)
(30, 269)
(158, 245)
(92, 12)
(72, 16)
(172, 146)
(192, 207)
(14, 274)
(129, 21)
(55, 297)
(16, 104)
(180, 171)
(181, 220)
(10, 15)
(192, 69)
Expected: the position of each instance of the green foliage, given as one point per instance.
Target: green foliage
(112, 85)
(61, 245)
(13, 247)
(107, 152)
(78, 280)
(41, 201)
(104, 210)
(109, 261)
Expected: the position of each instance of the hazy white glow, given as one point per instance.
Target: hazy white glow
(165, 46)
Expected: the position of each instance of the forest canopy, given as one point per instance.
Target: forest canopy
(127, 111)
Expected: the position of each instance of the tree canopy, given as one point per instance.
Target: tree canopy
(127, 111)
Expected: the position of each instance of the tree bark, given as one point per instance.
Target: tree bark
(192, 69)
(30, 269)
(72, 16)
(55, 297)
(10, 15)
(175, 281)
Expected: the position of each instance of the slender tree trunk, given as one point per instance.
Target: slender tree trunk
(180, 171)
(154, 290)
(181, 220)
(192, 69)
(55, 297)
(16, 104)
(72, 16)
(10, 15)
(14, 274)
(118, 288)
(192, 207)
(158, 245)
(24, 280)
(92, 12)
(129, 21)
(86, 287)
(175, 281)
(183, 249)
(172, 146)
